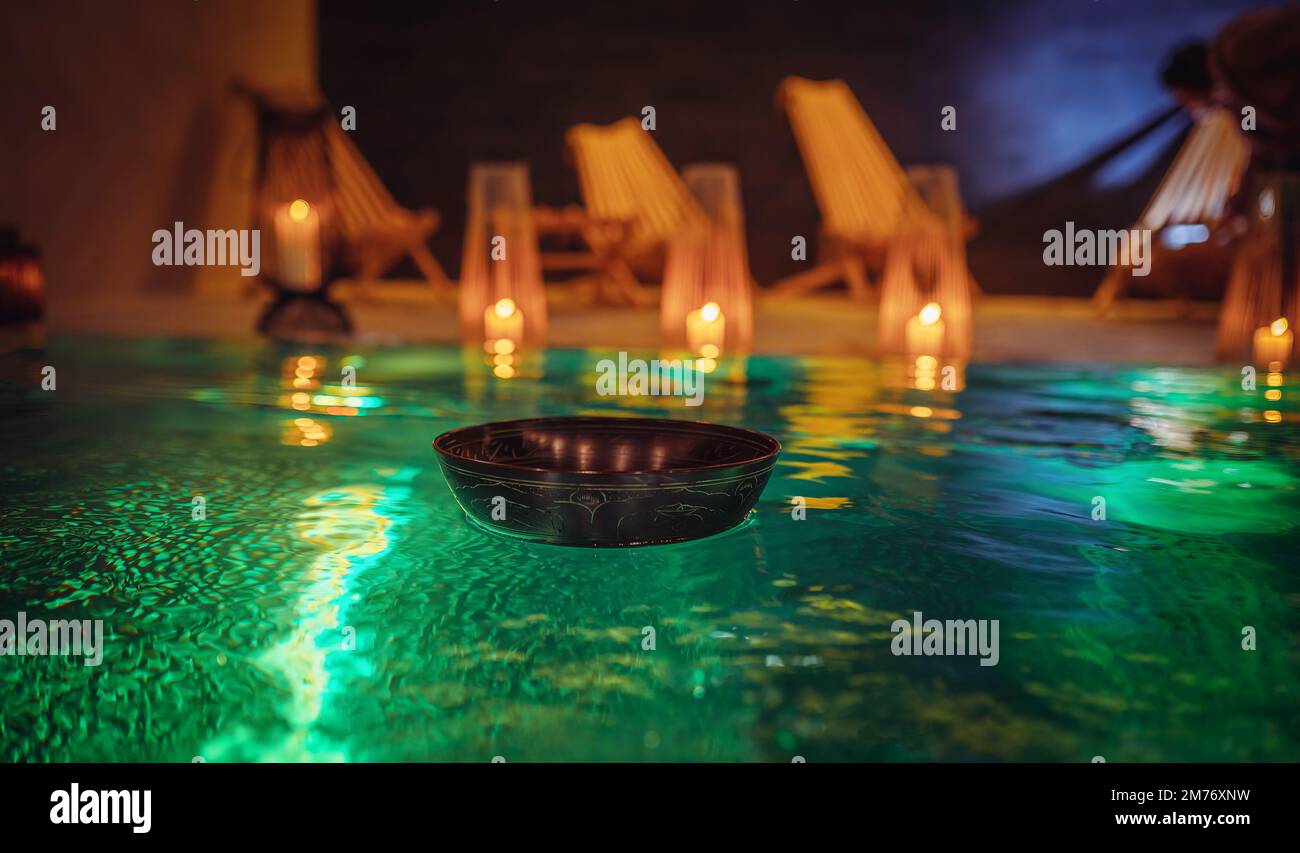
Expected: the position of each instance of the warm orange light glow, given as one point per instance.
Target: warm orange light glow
(503, 371)
(1272, 344)
(926, 362)
(503, 326)
(706, 365)
(921, 411)
(1272, 394)
(306, 432)
(299, 210)
(706, 330)
(925, 333)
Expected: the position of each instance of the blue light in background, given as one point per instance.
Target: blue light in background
(1178, 236)
(1056, 82)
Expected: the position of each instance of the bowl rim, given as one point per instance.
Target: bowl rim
(521, 423)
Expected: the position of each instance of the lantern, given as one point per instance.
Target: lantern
(707, 306)
(295, 208)
(502, 299)
(1262, 299)
(925, 298)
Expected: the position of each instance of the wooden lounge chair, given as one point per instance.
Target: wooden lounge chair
(304, 151)
(1195, 191)
(377, 231)
(635, 202)
(865, 198)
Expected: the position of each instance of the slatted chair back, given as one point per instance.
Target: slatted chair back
(624, 176)
(364, 204)
(1203, 177)
(862, 192)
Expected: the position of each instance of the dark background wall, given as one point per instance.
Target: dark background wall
(145, 127)
(1039, 85)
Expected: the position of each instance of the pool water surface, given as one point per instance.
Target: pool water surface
(282, 572)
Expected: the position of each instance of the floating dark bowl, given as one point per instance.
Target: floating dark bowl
(606, 481)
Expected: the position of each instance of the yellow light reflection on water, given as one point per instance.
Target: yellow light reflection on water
(815, 471)
(301, 375)
(305, 432)
(822, 503)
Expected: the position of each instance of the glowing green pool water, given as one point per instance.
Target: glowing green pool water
(327, 600)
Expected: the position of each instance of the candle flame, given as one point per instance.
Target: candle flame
(930, 314)
(504, 308)
(299, 209)
(1278, 327)
(710, 312)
